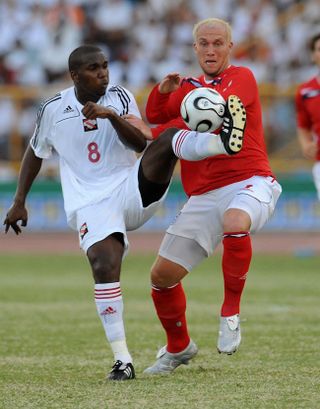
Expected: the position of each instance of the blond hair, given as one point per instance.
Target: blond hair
(211, 22)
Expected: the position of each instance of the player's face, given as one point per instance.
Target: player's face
(92, 77)
(316, 53)
(212, 47)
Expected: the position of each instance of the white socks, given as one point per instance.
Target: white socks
(109, 304)
(193, 146)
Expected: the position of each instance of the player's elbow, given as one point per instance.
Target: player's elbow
(140, 146)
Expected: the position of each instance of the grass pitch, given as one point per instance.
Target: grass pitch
(53, 352)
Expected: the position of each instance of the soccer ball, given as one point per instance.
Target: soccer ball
(202, 109)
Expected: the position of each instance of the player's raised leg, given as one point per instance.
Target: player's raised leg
(160, 157)
(194, 146)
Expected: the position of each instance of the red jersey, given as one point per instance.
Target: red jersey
(218, 171)
(308, 108)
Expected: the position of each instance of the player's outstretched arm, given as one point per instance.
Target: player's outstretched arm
(140, 124)
(170, 83)
(307, 143)
(30, 167)
(129, 135)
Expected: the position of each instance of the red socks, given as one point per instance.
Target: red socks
(235, 265)
(170, 304)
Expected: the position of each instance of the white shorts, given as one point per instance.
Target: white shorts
(121, 212)
(316, 177)
(201, 217)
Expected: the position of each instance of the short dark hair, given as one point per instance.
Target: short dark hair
(76, 57)
(313, 41)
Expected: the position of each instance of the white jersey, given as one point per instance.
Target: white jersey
(93, 160)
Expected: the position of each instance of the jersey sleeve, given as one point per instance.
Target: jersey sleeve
(41, 135)
(156, 106)
(162, 108)
(302, 117)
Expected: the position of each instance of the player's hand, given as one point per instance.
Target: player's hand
(91, 110)
(309, 150)
(16, 212)
(140, 124)
(170, 83)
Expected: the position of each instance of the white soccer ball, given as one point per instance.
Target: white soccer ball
(202, 109)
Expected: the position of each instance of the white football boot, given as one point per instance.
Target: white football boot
(167, 362)
(229, 334)
(234, 124)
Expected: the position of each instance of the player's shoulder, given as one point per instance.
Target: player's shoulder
(120, 91)
(240, 70)
(307, 86)
(62, 103)
(193, 82)
(121, 97)
(52, 103)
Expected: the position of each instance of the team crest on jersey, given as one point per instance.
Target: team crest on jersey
(90, 124)
(83, 230)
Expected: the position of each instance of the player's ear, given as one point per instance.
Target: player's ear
(313, 58)
(195, 48)
(74, 75)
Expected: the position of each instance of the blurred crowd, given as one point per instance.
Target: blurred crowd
(146, 39)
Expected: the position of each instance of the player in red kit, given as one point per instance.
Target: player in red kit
(308, 114)
(229, 197)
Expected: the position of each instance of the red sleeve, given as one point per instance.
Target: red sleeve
(174, 123)
(161, 108)
(156, 111)
(302, 117)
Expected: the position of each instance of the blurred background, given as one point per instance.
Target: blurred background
(144, 40)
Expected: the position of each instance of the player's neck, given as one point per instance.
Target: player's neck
(84, 97)
(209, 77)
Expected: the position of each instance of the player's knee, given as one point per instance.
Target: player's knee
(162, 278)
(169, 133)
(165, 274)
(158, 277)
(104, 269)
(236, 220)
(165, 138)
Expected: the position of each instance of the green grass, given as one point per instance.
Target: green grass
(53, 353)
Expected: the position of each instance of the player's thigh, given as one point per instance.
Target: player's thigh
(98, 221)
(258, 199)
(199, 220)
(135, 214)
(182, 251)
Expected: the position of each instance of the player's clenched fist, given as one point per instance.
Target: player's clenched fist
(91, 110)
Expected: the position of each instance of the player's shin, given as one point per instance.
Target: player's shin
(194, 146)
(237, 254)
(170, 305)
(109, 305)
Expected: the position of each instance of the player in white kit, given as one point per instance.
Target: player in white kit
(106, 190)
